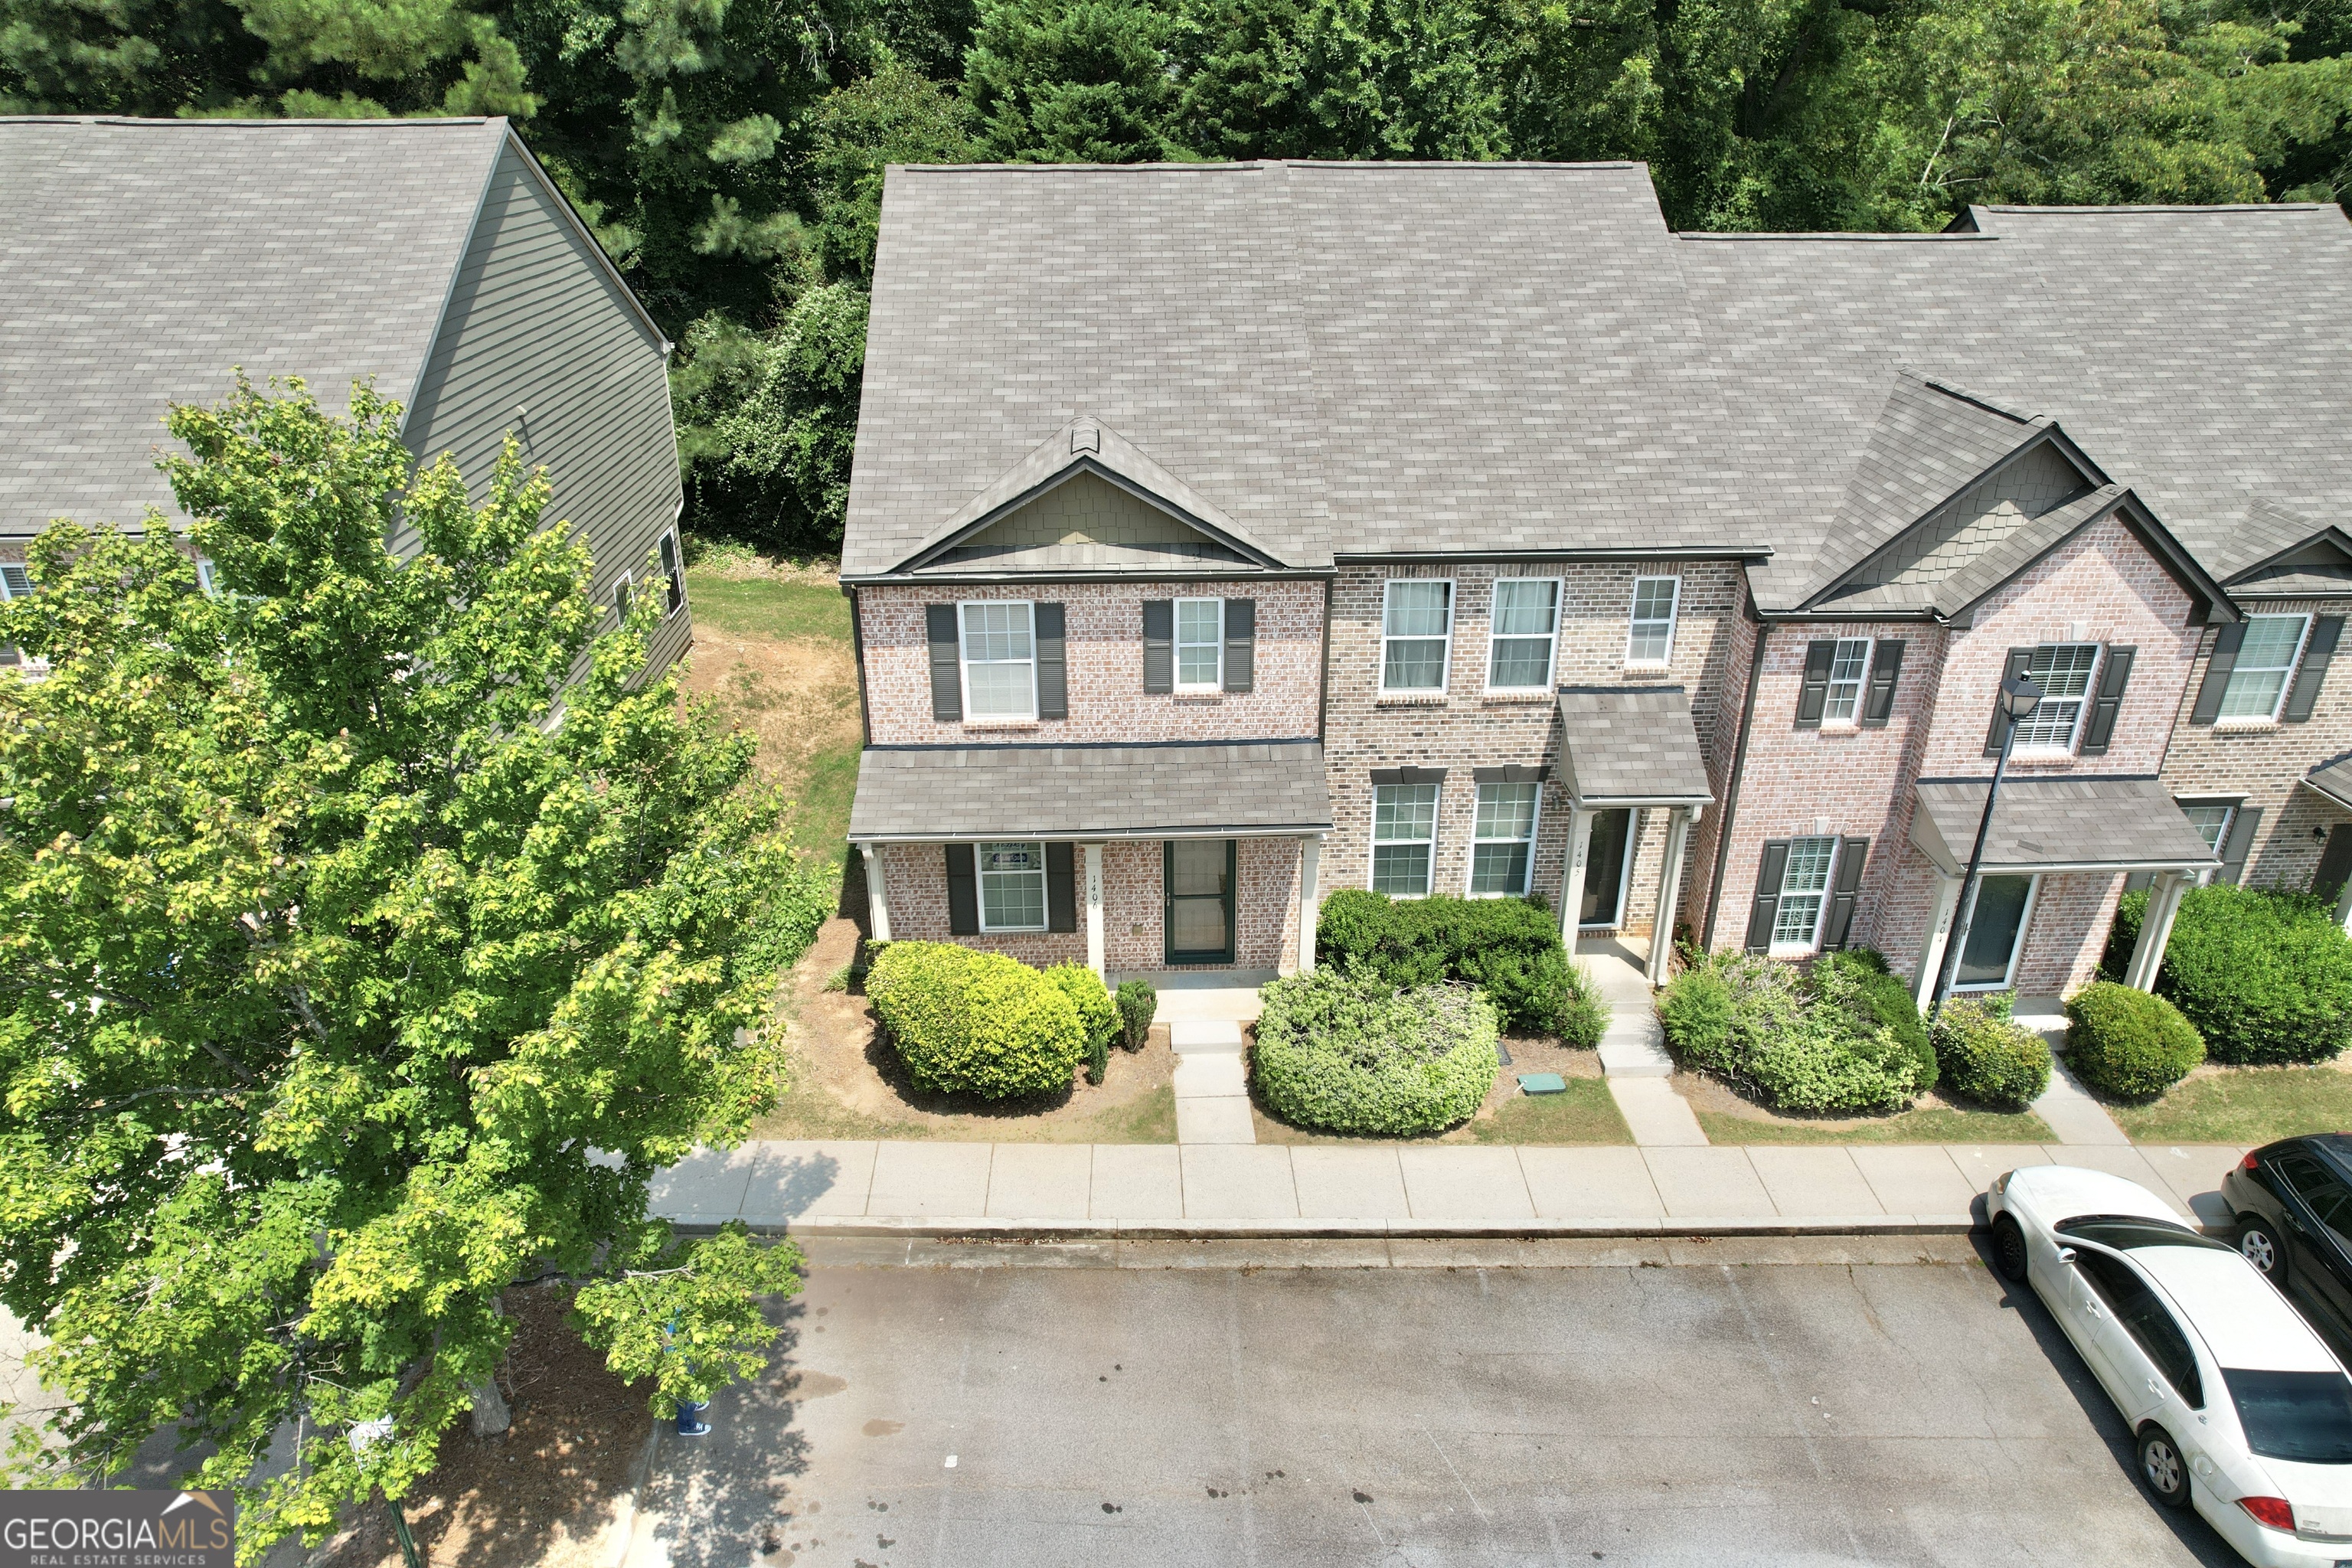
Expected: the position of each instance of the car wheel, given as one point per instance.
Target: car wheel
(2163, 1469)
(2008, 1249)
(2260, 1243)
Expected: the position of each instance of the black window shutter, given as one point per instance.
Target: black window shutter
(2235, 848)
(963, 892)
(1061, 888)
(2217, 673)
(1852, 854)
(1241, 643)
(1813, 696)
(1052, 677)
(947, 668)
(1160, 644)
(2316, 651)
(2020, 659)
(2101, 727)
(1769, 874)
(1885, 669)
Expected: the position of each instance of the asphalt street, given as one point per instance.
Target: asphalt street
(1810, 1400)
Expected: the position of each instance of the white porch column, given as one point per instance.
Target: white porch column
(1310, 901)
(1094, 907)
(2344, 907)
(1945, 903)
(1670, 886)
(877, 902)
(2164, 896)
(1571, 880)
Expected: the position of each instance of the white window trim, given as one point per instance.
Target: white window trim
(677, 553)
(1862, 687)
(1446, 657)
(2017, 949)
(1176, 647)
(1624, 870)
(1673, 623)
(2227, 805)
(1436, 815)
(25, 663)
(2286, 684)
(980, 874)
(2083, 705)
(1551, 655)
(8, 594)
(1813, 942)
(1470, 867)
(623, 584)
(963, 671)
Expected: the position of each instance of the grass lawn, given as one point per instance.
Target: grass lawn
(2243, 1105)
(776, 608)
(1927, 1124)
(806, 1111)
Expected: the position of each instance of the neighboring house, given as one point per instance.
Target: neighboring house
(1222, 534)
(143, 260)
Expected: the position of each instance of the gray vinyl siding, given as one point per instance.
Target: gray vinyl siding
(538, 340)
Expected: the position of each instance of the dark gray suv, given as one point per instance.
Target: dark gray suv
(2294, 1203)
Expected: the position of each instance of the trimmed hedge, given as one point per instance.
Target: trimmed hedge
(1808, 1042)
(1137, 1004)
(1350, 1053)
(1510, 948)
(1097, 1015)
(1881, 998)
(1988, 1059)
(975, 1023)
(2127, 1043)
(2263, 975)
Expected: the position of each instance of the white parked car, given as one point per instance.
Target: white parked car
(2238, 1409)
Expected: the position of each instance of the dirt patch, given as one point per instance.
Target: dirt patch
(545, 1493)
(796, 696)
(845, 1080)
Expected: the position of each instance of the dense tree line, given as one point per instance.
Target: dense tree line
(730, 155)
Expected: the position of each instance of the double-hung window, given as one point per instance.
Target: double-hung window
(1404, 837)
(1200, 644)
(2210, 821)
(2266, 658)
(2063, 671)
(1000, 659)
(1848, 665)
(1651, 643)
(1804, 887)
(1503, 840)
(673, 566)
(622, 587)
(1526, 629)
(1012, 887)
(1417, 632)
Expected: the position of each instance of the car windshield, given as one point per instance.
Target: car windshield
(2128, 1232)
(2305, 1417)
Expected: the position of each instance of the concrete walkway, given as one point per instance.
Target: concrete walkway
(1381, 1188)
(1204, 1011)
(1634, 1048)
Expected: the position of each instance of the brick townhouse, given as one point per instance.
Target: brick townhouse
(1219, 535)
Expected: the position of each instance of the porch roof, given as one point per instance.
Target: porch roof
(2058, 824)
(1219, 789)
(1632, 745)
(2334, 781)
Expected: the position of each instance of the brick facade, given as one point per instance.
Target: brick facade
(2261, 763)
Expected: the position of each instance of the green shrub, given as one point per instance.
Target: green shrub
(1879, 998)
(975, 1023)
(1137, 1004)
(1988, 1059)
(1811, 1043)
(1510, 948)
(2264, 977)
(2127, 1043)
(1350, 1053)
(1097, 1016)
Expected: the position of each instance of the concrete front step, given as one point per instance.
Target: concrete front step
(1215, 1035)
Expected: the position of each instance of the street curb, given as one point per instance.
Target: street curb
(952, 1228)
(627, 1515)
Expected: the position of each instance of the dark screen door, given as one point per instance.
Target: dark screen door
(1605, 867)
(2334, 862)
(1200, 915)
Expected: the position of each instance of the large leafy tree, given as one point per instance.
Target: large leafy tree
(372, 931)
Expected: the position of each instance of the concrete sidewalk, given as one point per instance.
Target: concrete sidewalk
(937, 1188)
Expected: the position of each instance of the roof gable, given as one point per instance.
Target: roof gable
(2305, 561)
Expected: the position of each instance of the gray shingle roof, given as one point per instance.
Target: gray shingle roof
(1079, 791)
(1928, 443)
(2333, 780)
(1622, 745)
(2120, 823)
(139, 260)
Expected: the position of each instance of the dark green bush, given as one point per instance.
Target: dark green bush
(1097, 1014)
(2263, 975)
(2127, 1043)
(1882, 999)
(975, 1023)
(1510, 948)
(1350, 1053)
(1988, 1059)
(1137, 1004)
(1801, 1042)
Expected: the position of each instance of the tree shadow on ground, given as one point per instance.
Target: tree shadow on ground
(731, 1497)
